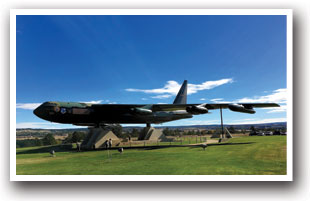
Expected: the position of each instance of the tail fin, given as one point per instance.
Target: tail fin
(182, 95)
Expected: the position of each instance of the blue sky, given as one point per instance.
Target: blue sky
(123, 59)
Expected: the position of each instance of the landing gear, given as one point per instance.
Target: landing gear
(222, 122)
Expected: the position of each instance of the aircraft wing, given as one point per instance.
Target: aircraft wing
(247, 105)
(172, 107)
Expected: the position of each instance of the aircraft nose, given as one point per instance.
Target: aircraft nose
(39, 111)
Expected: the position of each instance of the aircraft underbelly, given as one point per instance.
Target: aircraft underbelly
(121, 118)
(118, 116)
(151, 118)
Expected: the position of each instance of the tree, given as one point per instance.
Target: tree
(38, 142)
(177, 132)
(190, 132)
(77, 137)
(252, 128)
(231, 129)
(166, 131)
(117, 129)
(49, 140)
(134, 132)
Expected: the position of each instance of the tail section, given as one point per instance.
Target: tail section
(182, 95)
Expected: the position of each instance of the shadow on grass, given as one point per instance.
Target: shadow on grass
(47, 149)
(68, 147)
(195, 146)
(220, 144)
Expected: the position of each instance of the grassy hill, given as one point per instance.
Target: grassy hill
(264, 155)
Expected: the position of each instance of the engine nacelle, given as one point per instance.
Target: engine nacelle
(241, 108)
(142, 111)
(199, 109)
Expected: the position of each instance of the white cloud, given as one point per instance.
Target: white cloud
(35, 125)
(200, 122)
(99, 101)
(27, 106)
(258, 121)
(203, 99)
(277, 96)
(93, 102)
(32, 106)
(162, 96)
(144, 99)
(194, 88)
(44, 125)
(245, 119)
(218, 100)
(282, 108)
(172, 87)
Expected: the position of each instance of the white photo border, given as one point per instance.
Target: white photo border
(289, 167)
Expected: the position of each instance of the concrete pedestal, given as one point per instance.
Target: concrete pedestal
(96, 138)
(219, 135)
(152, 134)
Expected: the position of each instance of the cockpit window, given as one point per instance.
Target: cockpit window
(50, 104)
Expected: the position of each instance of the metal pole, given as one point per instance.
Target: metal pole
(222, 122)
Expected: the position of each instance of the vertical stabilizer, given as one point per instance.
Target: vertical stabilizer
(182, 95)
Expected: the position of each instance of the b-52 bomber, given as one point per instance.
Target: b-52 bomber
(99, 115)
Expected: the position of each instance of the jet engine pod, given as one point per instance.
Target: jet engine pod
(199, 109)
(142, 111)
(241, 108)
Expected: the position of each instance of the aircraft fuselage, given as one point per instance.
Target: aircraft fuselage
(88, 114)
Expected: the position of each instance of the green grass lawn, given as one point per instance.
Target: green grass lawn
(266, 155)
